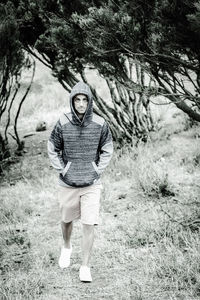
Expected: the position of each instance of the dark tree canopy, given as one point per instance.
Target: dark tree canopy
(141, 48)
(13, 60)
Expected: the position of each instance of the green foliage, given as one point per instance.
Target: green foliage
(194, 19)
(113, 36)
(11, 53)
(12, 61)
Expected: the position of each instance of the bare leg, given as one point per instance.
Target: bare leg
(87, 243)
(66, 232)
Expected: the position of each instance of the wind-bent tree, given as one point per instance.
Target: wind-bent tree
(141, 49)
(12, 61)
(62, 44)
(161, 35)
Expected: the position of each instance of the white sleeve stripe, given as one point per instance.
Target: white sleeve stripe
(53, 155)
(105, 156)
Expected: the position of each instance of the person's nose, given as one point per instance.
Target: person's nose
(81, 102)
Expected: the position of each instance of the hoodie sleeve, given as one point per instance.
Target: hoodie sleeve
(106, 148)
(55, 147)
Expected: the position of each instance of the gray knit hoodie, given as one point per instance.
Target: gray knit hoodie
(80, 150)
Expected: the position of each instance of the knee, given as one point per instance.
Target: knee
(88, 229)
(66, 225)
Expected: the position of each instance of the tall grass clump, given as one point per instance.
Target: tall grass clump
(176, 262)
(152, 173)
(122, 163)
(22, 285)
(14, 241)
(16, 259)
(191, 158)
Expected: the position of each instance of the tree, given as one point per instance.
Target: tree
(141, 48)
(12, 62)
(159, 35)
(110, 35)
(63, 47)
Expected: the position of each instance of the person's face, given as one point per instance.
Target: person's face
(80, 103)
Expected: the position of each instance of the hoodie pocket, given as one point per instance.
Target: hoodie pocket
(95, 167)
(66, 168)
(81, 173)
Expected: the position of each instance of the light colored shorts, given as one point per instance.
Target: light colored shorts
(83, 203)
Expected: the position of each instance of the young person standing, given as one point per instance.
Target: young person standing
(80, 148)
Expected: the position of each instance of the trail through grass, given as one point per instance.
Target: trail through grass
(144, 247)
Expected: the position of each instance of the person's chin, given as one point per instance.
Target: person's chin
(81, 112)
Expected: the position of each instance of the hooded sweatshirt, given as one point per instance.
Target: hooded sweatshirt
(80, 150)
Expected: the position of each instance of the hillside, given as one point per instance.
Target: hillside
(147, 244)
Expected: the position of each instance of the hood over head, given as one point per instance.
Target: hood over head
(81, 88)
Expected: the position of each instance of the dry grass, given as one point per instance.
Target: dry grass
(147, 244)
(142, 250)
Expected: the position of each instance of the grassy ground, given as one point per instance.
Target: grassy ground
(147, 244)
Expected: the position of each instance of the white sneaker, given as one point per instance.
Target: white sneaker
(64, 260)
(84, 274)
